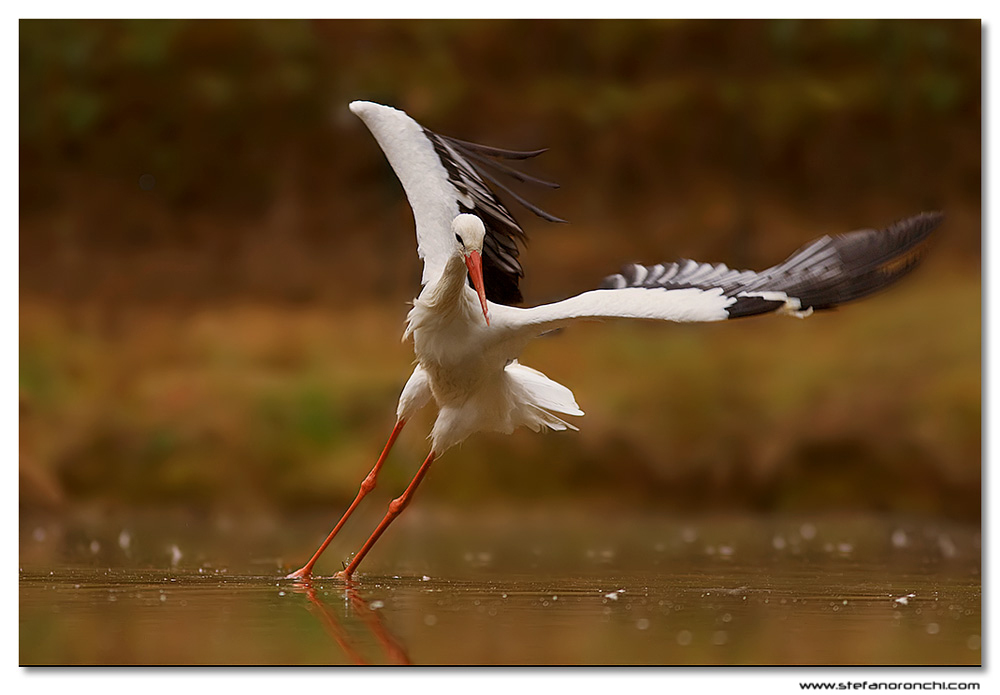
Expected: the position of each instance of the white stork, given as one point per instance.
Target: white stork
(467, 336)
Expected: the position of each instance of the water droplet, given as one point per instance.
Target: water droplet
(899, 539)
(684, 638)
(807, 531)
(375, 605)
(430, 620)
(933, 628)
(642, 624)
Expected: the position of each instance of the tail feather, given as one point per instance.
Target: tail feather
(551, 421)
(543, 397)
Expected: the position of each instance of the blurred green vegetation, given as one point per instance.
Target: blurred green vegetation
(228, 335)
(277, 408)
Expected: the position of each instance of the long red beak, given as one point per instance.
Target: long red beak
(474, 262)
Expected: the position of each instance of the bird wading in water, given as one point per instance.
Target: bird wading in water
(467, 335)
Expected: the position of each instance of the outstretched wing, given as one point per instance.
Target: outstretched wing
(444, 177)
(823, 274)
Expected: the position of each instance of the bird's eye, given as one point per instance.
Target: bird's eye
(459, 240)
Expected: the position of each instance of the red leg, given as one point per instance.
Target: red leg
(367, 485)
(395, 508)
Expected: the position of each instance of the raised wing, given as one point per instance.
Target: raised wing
(443, 177)
(823, 274)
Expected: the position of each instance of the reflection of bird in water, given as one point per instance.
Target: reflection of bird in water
(393, 651)
(467, 336)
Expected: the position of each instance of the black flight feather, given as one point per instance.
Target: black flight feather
(501, 268)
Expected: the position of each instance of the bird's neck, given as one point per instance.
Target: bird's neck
(450, 290)
(448, 299)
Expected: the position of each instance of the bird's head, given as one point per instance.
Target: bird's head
(469, 236)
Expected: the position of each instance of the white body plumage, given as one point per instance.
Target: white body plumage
(469, 368)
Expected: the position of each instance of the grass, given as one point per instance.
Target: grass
(876, 406)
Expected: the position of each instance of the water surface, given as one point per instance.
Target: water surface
(563, 590)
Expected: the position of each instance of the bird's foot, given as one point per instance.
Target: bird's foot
(304, 573)
(343, 574)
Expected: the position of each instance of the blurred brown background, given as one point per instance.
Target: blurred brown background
(215, 260)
